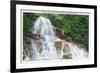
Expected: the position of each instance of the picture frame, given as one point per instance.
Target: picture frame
(20, 9)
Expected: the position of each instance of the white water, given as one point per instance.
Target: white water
(44, 28)
(77, 52)
(48, 36)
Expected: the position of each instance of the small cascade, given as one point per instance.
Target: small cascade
(77, 52)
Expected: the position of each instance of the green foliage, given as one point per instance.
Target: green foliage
(74, 26)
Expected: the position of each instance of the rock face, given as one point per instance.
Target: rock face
(27, 48)
(64, 49)
(61, 47)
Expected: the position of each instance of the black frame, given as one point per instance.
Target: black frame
(13, 36)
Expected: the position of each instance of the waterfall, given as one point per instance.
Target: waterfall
(43, 27)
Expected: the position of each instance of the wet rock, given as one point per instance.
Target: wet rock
(69, 56)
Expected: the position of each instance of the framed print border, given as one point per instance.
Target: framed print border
(13, 35)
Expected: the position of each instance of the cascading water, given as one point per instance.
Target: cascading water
(77, 52)
(47, 34)
(44, 28)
